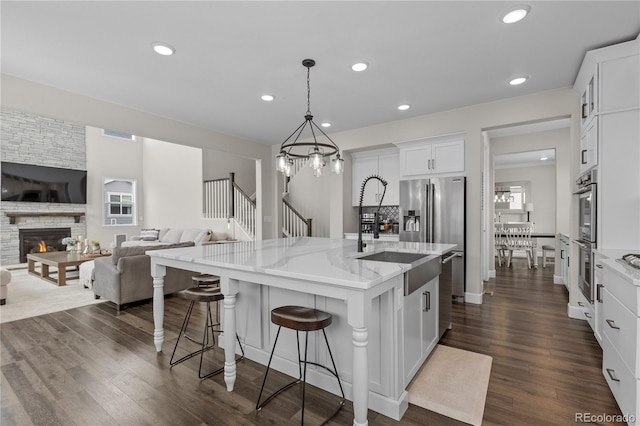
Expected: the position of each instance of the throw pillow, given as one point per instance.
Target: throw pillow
(149, 235)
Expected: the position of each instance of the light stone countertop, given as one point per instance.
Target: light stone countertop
(627, 272)
(330, 261)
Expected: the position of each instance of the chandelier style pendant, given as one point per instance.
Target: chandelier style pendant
(316, 152)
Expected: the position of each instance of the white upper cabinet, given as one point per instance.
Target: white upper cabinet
(589, 146)
(385, 163)
(426, 157)
(620, 84)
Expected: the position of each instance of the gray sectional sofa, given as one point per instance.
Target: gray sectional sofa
(125, 276)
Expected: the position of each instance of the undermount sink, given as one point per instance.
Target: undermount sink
(394, 256)
(424, 267)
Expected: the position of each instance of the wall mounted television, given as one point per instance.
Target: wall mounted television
(42, 184)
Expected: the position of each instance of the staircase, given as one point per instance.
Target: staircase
(294, 224)
(224, 199)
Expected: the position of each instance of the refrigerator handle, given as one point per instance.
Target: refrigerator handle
(429, 213)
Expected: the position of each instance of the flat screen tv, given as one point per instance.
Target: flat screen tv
(41, 184)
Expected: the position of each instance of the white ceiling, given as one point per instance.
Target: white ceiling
(525, 159)
(433, 55)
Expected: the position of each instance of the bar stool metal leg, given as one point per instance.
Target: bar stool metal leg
(303, 374)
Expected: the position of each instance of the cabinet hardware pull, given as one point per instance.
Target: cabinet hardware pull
(612, 324)
(562, 254)
(433, 164)
(427, 301)
(586, 314)
(610, 372)
(599, 293)
(568, 261)
(582, 153)
(599, 266)
(580, 304)
(584, 114)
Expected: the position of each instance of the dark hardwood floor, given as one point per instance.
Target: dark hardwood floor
(87, 366)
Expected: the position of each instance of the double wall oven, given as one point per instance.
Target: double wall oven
(586, 242)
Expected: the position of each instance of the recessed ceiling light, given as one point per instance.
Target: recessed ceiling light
(360, 66)
(267, 98)
(544, 158)
(325, 124)
(404, 107)
(163, 48)
(518, 80)
(515, 14)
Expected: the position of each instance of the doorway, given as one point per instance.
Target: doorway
(528, 169)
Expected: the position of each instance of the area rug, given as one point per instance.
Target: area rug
(29, 296)
(454, 383)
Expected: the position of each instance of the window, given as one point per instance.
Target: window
(118, 135)
(119, 202)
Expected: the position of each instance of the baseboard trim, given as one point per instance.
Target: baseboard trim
(474, 298)
(492, 273)
(575, 312)
(558, 279)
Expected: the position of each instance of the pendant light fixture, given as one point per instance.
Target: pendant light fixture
(316, 152)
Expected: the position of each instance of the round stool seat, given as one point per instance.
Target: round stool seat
(548, 247)
(300, 318)
(201, 294)
(206, 280)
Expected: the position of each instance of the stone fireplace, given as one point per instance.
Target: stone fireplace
(38, 240)
(32, 139)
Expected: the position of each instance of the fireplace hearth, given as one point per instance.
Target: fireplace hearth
(38, 240)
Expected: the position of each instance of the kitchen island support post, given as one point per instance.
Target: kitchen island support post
(159, 272)
(359, 313)
(229, 288)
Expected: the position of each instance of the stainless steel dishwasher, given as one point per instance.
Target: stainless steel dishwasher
(446, 291)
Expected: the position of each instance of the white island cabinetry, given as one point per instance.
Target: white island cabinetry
(420, 327)
(365, 297)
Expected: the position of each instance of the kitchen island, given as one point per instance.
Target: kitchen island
(366, 299)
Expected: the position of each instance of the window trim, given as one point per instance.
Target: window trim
(106, 196)
(115, 134)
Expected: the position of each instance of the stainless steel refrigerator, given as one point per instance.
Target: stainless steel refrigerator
(433, 211)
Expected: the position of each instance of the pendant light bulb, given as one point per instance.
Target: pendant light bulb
(337, 165)
(315, 159)
(281, 161)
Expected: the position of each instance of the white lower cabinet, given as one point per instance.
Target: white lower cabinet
(420, 327)
(620, 330)
(588, 310)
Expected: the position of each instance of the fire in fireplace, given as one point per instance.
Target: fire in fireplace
(39, 240)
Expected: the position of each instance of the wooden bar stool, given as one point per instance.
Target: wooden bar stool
(299, 318)
(548, 251)
(202, 295)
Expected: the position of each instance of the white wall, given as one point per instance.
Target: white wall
(110, 158)
(175, 198)
(310, 196)
(218, 165)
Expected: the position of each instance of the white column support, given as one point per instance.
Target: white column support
(229, 288)
(359, 314)
(158, 272)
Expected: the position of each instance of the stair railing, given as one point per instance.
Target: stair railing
(293, 223)
(224, 199)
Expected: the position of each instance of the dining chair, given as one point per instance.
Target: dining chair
(519, 238)
(500, 242)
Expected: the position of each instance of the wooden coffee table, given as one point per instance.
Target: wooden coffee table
(60, 260)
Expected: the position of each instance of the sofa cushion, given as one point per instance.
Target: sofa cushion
(172, 236)
(196, 235)
(119, 252)
(162, 233)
